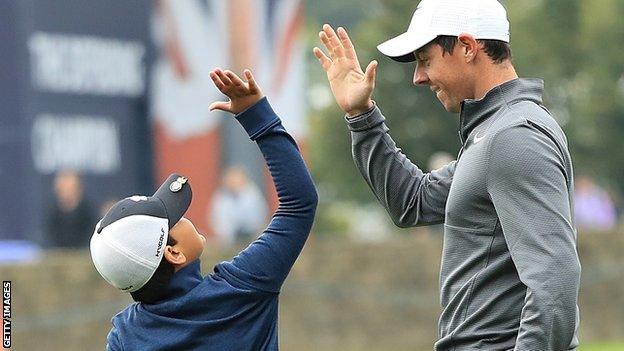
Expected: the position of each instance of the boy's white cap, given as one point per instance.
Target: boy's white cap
(484, 19)
(128, 243)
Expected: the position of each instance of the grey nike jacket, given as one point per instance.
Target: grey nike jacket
(510, 271)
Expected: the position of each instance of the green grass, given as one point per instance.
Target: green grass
(606, 346)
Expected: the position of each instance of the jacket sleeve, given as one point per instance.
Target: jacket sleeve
(112, 341)
(266, 262)
(410, 196)
(528, 183)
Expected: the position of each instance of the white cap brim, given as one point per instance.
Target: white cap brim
(401, 48)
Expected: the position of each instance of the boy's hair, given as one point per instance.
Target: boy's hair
(153, 290)
(496, 50)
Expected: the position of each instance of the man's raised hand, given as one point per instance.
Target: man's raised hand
(242, 94)
(351, 87)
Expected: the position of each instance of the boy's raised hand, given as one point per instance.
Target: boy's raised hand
(242, 94)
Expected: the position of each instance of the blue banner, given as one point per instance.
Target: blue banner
(74, 84)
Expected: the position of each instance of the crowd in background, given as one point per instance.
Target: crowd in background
(240, 210)
(238, 213)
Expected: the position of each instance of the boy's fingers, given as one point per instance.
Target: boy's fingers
(253, 87)
(224, 78)
(220, 105)
(320, 55)
(234, 78)
(217, 81)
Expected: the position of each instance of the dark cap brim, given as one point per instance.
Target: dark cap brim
(176, 195)
(405, 58)
(402, 47)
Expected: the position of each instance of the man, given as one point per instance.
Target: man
(70, 218)
(145, 246)
(239, 210)
(510, 271)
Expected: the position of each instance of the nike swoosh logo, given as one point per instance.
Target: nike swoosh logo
(478, 138)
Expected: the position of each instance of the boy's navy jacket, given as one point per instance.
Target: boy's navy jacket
(236, 306)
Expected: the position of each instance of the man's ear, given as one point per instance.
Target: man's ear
(469, 46)
(174, 255)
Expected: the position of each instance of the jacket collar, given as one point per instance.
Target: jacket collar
(474, 112)
(184, 280)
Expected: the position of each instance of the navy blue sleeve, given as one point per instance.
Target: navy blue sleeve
(112, 341)
(266, 262)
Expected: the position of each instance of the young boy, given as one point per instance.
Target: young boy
(145, 246)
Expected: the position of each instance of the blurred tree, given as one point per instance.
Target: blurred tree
(344, 13)
(572, 45)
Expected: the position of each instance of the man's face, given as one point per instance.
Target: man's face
(68, 189)
(444, 73)
(190, 242)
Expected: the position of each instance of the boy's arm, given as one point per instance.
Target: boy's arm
(112, 341)
(266, 262)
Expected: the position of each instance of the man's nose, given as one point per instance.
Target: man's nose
(420, 77)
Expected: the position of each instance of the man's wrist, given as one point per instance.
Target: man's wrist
(360, 111)
(366, 120)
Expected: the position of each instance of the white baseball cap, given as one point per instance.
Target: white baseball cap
(128, 243)
(484, 19)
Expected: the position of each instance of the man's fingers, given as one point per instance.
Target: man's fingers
(320, 55)
(325, 39)
(221, 105)
(371, 70)
(347, 44)
(335, 43)
(253, 87)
